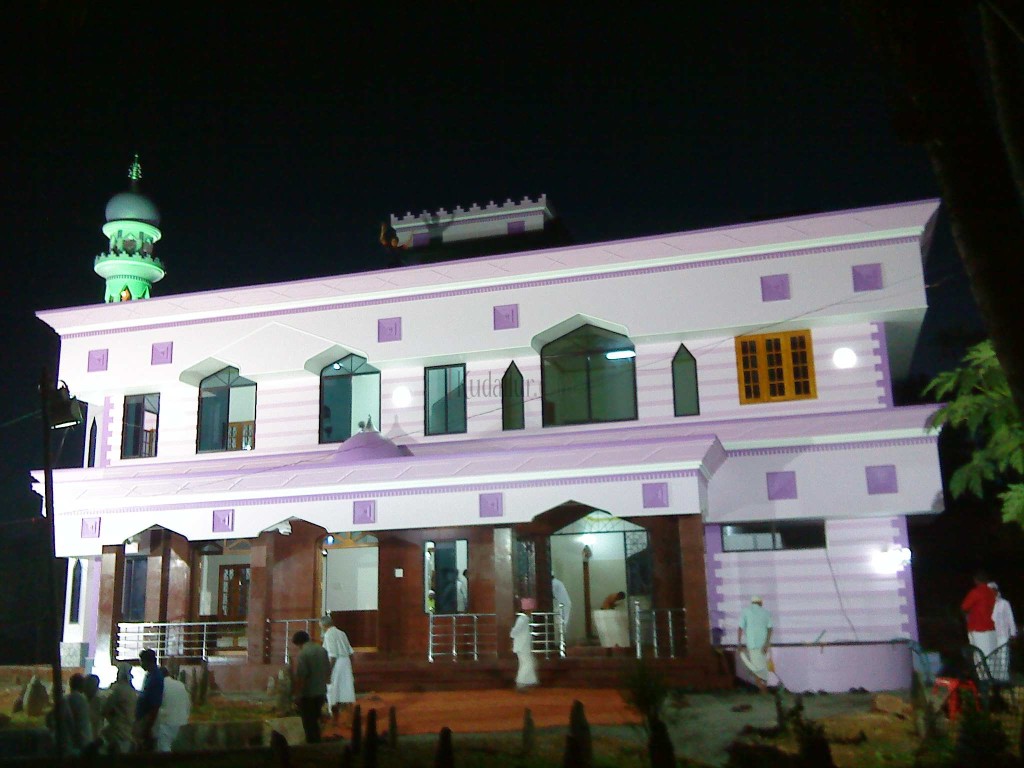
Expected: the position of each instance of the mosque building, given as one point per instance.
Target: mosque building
(689, 418)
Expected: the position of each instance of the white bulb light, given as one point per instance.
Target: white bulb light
(401, 396)
(844, 357)
(620, 354)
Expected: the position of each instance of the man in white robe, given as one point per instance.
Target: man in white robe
(341, 690)
(522, 646)
(1006, 630)
(754, 637)
(560, 597)
(174, 712)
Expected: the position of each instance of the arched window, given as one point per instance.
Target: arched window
(684, 383)
(588, 376)
(513, 415)
(349, 394)
(75, 600)
(227, 412)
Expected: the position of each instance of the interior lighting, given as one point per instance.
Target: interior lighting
(844, 357)
(620, 354)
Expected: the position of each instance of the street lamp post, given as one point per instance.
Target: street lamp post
(59, 410)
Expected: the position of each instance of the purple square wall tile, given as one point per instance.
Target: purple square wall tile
(867, 277)
(655, 495)
(775, 287)
(881, 479)
(492, 505)
(364, 512)
(98, 360)
(506, 316)
(223, 520)
(90, 528)
(516, 227)
(162, 353)
(781, 485)
(389, 329)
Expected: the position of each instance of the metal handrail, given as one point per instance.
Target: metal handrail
(461, 635)
(650, 618)
(173, 639)
(547, 633)
(306, 624)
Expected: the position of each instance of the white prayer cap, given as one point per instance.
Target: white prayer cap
(993, 586)
(756, 599)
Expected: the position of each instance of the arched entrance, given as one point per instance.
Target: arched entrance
(592, 553)
(349, 579)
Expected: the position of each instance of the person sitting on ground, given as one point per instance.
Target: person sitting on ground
(612, 601)
(118, 709)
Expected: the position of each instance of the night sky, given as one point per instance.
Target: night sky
(273, 144)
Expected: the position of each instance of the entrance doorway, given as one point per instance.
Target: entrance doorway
(597, 557)
(350, 565)
(233, 602)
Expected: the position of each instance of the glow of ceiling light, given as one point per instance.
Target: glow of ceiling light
(844, 357)
(336, 366)
(620, 354)
(891, 559)
(401, 396)
(329, 540)
(588, 539)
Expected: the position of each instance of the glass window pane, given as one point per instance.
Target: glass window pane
(456, 399)
(513, 412)
(684, 383)
(213, 418)
(436, 401)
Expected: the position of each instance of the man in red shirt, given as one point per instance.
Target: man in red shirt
(977, 607)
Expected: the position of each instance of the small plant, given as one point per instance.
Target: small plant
(529, 733)
(392, 728)
(814, 751)
(645, 691)
(445, 755)
(370, 743)
(981, 739)
(659, 746)
(579, 731)
(204, 685)
(357, 730)
(283, 703)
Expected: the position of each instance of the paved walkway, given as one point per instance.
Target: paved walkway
(489, 710)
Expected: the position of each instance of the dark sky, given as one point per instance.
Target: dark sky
(273, 143)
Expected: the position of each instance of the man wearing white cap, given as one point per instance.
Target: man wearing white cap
(1006, 629)
(755, 635)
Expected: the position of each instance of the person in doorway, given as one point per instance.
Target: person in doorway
(754, 636)
(978, 606)
(341, 690)
(147, 706)
(1006, 630)
(560, 597)
(612, 601)
(312, 673)
(462, 596)
(174, 712)
(118, 707)
(522, 645)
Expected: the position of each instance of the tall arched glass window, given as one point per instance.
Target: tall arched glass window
(93, 436)
(684, 383)
(513, 412)
(588, 376)
(349, 395)
(227, 412)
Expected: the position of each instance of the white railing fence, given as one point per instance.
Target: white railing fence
(181, 639)
(660, 631)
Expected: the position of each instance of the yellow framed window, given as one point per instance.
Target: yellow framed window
(775, 366)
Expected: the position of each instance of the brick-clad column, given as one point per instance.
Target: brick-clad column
(261, 566)
(504, 590)
(109, 614)
(695, 588)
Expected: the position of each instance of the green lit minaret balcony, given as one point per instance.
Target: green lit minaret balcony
(132, 230)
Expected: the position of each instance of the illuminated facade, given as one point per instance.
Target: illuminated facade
(709, 413)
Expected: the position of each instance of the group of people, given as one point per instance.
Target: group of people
(990, 627)
(121, 719)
